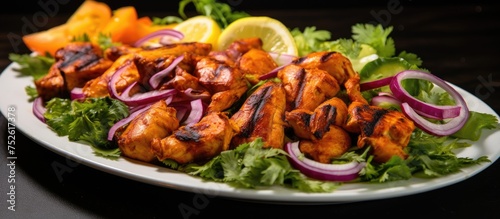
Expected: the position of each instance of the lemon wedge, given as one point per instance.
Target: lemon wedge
(200, 28)
(275, 35)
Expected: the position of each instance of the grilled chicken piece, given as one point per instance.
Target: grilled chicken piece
(198, 142)
(159, 121)
(115, 52)
(256, 62)
(81, 62)
(336, 64)
(261, 116)
(98, 87)
(224, 82)
(387, 131)
(75, 64)
(335, 142)
(240, 47)
(356, 100)
(184, 81)
(314, 125)
(148, 65)
(151, 61)
(307, 88)
(52, 84)
(232, 54)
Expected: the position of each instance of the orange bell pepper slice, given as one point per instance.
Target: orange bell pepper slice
(89, 18)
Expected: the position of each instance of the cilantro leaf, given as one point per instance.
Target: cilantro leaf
(87, 121)
(81, 38)
(392, 170)
(166, 20)
(34, 66)
(222, 13)
(105, 41)
(410, 58)
(310, 40)
(252, 166)
(32, 93)
(348, 47)
(375, 36)
(432, 156)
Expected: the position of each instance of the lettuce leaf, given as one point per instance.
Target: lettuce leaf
(475, 125)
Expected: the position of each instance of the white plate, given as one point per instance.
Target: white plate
(13, 94)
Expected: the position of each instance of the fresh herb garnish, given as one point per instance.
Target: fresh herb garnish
(252, 166)
(34, 66)
(87, 121)
(222, 13)
(166, 20)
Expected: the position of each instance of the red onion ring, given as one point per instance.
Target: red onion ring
(39, 109)
(77, 93)
(196, 112)
(375, 84)
(272, 74)
(136, 99)
(282, 59)
(165, 32)
(156, 79)
(125, 120)
(445, 129)
(321, 171)
(433, 111)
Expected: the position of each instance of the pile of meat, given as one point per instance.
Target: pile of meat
(316, 101)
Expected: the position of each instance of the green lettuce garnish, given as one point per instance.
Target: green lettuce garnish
(475, 125)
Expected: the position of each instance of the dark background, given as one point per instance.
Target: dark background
(459, 42)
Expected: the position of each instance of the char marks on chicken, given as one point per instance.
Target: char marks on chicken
(262, 116)
(75, 64)
(159, 121)
(388, 132)
(197, 142)
(336, 64)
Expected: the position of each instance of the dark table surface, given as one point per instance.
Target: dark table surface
(459, 43)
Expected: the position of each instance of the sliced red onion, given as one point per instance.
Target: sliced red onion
(125, 120)
(272, 74)
(322, 171)
(436, 129)
(139, 98)
(196, 112)
(160, 33)
(182, 112)
(157, 78)
(375, 84)
(77, 93)
(196, 94)
(430, 110)
(282, 59)
(39, 109)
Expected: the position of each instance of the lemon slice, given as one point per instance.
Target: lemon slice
(200, 28)
(275, 35)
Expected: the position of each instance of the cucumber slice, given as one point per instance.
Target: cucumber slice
(383, 67)
(366, 55)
